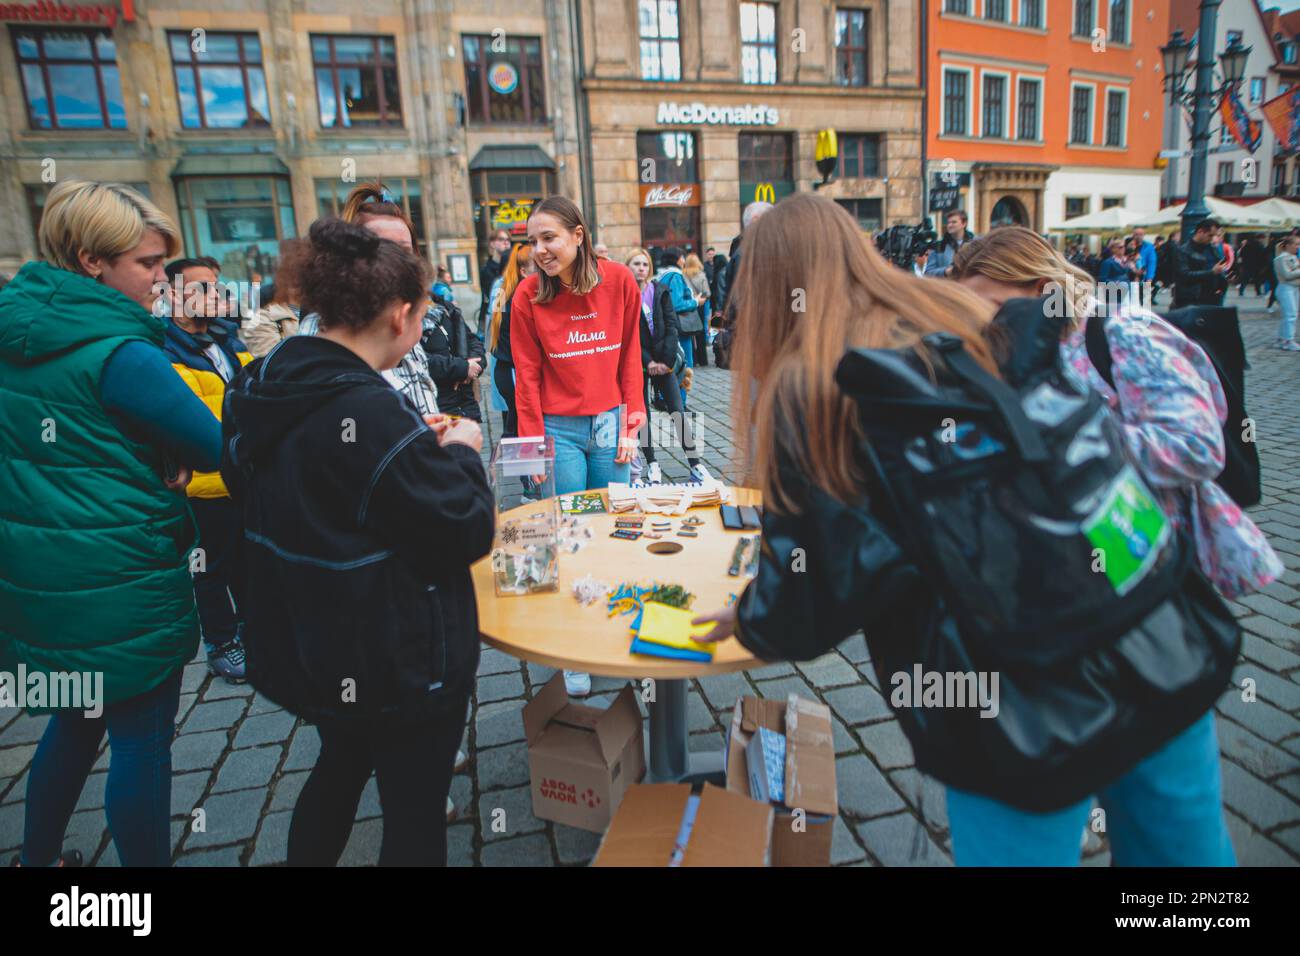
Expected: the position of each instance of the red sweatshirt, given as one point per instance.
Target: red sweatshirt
(578, 354)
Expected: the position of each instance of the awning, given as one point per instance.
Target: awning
(229, 164)
(511, 157)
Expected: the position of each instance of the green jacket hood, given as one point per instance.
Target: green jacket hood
(46, 310)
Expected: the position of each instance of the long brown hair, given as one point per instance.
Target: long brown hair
(510, 278)
(1020, 256)
(586, 274)
(372, 200)
(810, 287)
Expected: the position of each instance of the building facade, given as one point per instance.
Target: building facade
(1043, 110)
(663, 119)
(248, 121)
(1235, 173)
(695, 109)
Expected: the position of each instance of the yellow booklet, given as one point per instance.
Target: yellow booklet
(671, 627)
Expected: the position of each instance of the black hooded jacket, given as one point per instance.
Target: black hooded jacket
(359, 530)
(449, 344)
(661, 344)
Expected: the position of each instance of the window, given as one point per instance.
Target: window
(661, 44)
(1076, 206)
(505, 86)
(1081, 115)
(1118, 21)
(238, 220)
(758, 43)
(1027, 105)
(992, 113)
(865, 211)
(1279, 178)
(220, 86)
(1257, 89)
(1116, 108)
(1083, 17)
(955, 101)
(1288, 52)
(70, 79)
(766, 157)
(356, 81)
(1031, 13)
(852, 31)
(673, 156)
(331, 194)
(957, 6)
(996, 10)
(1232, 36)
(1108, 201)
(860, 155)
(1225, 173)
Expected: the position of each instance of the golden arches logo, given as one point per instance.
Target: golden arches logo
(765, 192)
(828, 146)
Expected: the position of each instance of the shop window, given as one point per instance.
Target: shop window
(852, 33)
(238, 220)
(332, 194)
(867, 212)
(219, 80)
(660, 36)
(672, 156)
(70, 79)
(356, 81)
(758, 43)
(859, 155)
(504, 84)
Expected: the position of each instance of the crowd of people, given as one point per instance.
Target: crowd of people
(304, 491)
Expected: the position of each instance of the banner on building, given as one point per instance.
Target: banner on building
(1283, 114)
(1246, 131)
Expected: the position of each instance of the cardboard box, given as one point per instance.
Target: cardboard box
(727, 830)
(581, 759)
(802, 827)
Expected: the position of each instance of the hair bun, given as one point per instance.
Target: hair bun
(339, 238)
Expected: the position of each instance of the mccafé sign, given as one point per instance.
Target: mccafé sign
(46, 11)
(653, 197)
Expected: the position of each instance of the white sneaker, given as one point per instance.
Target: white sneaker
(700, 473)
(654, 474)
(577, 683)
(1290, 347)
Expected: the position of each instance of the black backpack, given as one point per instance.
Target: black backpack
(1217, 331)
(1167, 263)
(1050, 564)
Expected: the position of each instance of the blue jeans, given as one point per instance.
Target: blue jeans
(585, 446)
(1288, 297)
(137, 798)
(1166, 811)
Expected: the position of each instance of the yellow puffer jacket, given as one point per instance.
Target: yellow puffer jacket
(208, 386)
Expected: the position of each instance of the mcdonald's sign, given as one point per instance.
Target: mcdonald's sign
(827, 154)
(766, 191)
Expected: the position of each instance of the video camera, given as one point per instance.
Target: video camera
(902, 244)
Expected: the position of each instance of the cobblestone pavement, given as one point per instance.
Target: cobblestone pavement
(243, 760)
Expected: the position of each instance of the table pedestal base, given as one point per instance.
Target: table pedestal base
(669, 759)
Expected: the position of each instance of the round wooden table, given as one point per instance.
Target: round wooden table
(553, 629)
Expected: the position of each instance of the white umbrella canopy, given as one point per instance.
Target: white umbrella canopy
(1228, 214)
(1114, 219)
(1277, 206)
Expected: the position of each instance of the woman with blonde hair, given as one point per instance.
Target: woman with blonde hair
(1166, 391)
(835, 559)
(518, 266)
(99, 438)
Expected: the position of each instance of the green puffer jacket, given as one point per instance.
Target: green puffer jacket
(94, 548)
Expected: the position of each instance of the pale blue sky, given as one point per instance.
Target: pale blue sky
(1286, 6)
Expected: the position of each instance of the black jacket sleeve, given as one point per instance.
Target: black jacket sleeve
(1190, 266)
(433, 504)
(446, 369)
(502, 351)
(666, 314)
(823, 574)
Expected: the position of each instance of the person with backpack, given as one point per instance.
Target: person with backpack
(686, 302)
(575, 337)
(864, 412)
(98, 440)
(1164, 388)
(456, 358)
(361, 521)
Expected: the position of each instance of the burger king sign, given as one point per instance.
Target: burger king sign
(503, 78)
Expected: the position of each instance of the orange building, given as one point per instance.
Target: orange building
(1042, 110)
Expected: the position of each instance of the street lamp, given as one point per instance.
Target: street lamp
(1199, 101)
